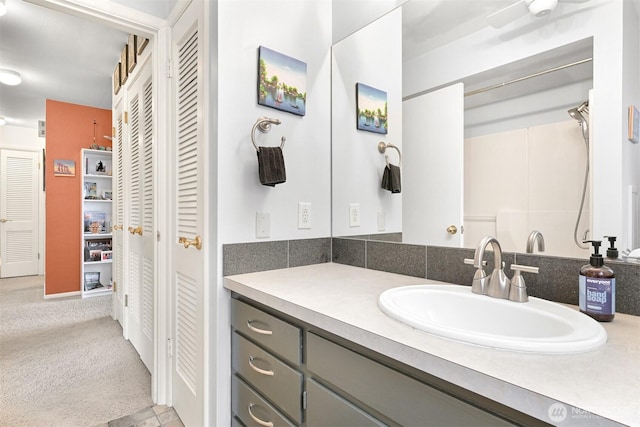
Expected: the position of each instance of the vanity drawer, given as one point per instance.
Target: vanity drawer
(277, 335)
(412, 403)
(252, 409)
(327, 409)
(280, 383)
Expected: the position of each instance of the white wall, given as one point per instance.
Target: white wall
(601, 19)
(301, 30)
(21, 138)
(370, 56)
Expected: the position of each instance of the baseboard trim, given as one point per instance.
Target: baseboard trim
(63, 295)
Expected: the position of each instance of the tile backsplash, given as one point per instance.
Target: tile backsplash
(556, 281)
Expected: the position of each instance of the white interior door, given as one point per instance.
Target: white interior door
(433, 167)
(19, 231)
(140, 226)
(187, 277)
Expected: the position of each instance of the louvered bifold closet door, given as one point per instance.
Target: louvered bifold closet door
(119, 213)
(140, 222)
(19, 213)
(189, 207)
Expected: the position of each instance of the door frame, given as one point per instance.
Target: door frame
(157, 30)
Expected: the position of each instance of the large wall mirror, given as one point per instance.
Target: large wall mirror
(502, 131)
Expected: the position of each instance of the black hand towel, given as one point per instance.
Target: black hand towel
(271, 166)
(391, 180)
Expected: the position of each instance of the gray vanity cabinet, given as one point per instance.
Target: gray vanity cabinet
(267, 382)
(399, 397)
(333, 385)
(327, 409)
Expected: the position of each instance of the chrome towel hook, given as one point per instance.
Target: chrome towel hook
(263, 124)
(382, 147)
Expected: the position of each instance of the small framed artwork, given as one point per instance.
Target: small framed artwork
(92, 280)
(282, 82)
(371, 106)
(101, 168)
(95, 255)
(116, 79)
(90, 190)
(132, 55)
(107, 195)
(124, 71)
(106, 255)
(64, 168)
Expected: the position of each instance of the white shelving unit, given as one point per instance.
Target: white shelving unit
(97, 240)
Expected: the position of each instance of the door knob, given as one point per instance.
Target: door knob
(197, 242)
(3, 220)
(452, 229)
(117, 227)
(136, 230)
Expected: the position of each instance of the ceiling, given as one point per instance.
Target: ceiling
(70, 59)
(59, 57)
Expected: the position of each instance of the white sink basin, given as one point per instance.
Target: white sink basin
(453, 311)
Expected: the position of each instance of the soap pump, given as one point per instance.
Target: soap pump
(597, 287)
(612, 251)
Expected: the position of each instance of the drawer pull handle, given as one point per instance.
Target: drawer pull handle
(257, 330)
(258, 370)
(258, 420)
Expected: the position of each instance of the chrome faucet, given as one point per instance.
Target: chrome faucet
(531, 240)
(498, 284)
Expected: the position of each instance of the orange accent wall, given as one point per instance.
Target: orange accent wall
(69, 129)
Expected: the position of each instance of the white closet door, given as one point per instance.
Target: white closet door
(188, 270)
(119, 174)
(140, 227)
(19, 213)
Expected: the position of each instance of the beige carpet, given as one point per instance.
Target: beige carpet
(63, 362)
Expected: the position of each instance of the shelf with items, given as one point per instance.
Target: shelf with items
(97, 239)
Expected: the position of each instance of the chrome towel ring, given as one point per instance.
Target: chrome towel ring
(382, 147)
(263, 124)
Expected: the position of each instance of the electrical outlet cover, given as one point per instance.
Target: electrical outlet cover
(304, 215)
(354, 214)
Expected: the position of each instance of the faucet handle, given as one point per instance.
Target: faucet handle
(518, 290)
(471, 262)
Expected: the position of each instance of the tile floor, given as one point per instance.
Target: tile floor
(153, 416)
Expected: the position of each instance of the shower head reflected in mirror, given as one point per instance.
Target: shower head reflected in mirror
(580, 114)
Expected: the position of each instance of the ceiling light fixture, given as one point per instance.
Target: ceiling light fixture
(3, 121)
(10, 77)
(3, 7)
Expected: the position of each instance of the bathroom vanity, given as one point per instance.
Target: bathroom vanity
(310, 346)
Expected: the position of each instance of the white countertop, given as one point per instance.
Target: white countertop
(343, 300)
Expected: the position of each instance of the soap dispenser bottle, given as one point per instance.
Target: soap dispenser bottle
(597, 287)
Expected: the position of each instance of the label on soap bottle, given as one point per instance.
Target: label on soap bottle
(597, 295)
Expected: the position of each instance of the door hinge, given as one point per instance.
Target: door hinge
(126, 300)
(115, 286)
(169, 347)
(158, 235)
(38, 255)
(304, 400)
(169, 69)
(38, 165)
(125, 117)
